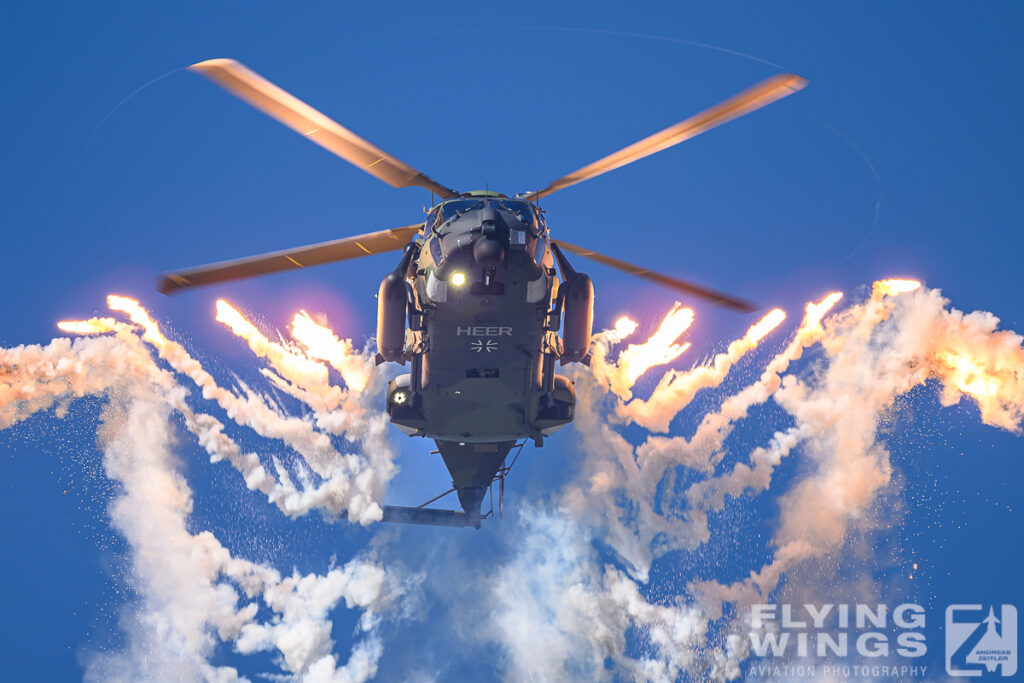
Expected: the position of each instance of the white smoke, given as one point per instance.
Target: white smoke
(193, 594)
(570, 596)
(624, 497)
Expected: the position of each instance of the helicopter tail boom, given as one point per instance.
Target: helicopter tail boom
(429, 517)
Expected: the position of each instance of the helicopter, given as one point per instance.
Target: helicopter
(478, 298)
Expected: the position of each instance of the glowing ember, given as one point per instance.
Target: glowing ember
(322, 343)
(894, 287)
(90, 326)
(660, 349)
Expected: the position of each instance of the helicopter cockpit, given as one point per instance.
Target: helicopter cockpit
(523, 210)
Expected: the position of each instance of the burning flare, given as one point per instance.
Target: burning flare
(765, 325)
(293, 366)
(625, 496)
(348, 484)
(323, 344)
(816, 311)
(894, 287)
(139, 316)
(624, 327)
(90, 326)
(660, 349)
(676, 389)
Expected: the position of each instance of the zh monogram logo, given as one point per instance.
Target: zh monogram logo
(977, 644)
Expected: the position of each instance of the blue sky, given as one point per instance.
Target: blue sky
(903, 157)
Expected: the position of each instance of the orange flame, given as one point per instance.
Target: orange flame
(322, 343)
(894, 287)
(660, 349)
(90, 326)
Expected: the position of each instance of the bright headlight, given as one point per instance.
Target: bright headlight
(457, 279)
(398, 398)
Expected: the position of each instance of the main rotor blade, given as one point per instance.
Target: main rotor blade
(760, 95)
(717, 298)
(289, 259)
(314, 125)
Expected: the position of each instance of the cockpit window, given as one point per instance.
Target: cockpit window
(440, 215)
(432, 219)
(450, 209)
(521, 209)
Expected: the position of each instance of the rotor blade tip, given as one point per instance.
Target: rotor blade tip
(208, 64)
(795, 82)
(166, 286)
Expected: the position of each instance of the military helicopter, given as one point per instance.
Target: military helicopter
(476, 303)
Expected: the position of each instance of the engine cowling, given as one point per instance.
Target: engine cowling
(392, 305)
(577, 317)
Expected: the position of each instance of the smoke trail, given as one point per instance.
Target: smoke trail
(636, 359)
(186, 583)
(570, 596)
(675, 390)
(193, 594)
(624, 498)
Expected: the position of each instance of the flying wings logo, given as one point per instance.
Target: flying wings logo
(980, 641)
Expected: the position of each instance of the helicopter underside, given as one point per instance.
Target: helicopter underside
(482, 381)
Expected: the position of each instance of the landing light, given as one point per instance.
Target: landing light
(458, 279)
(398, 398)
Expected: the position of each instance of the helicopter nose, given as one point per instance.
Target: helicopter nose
(488, 252)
